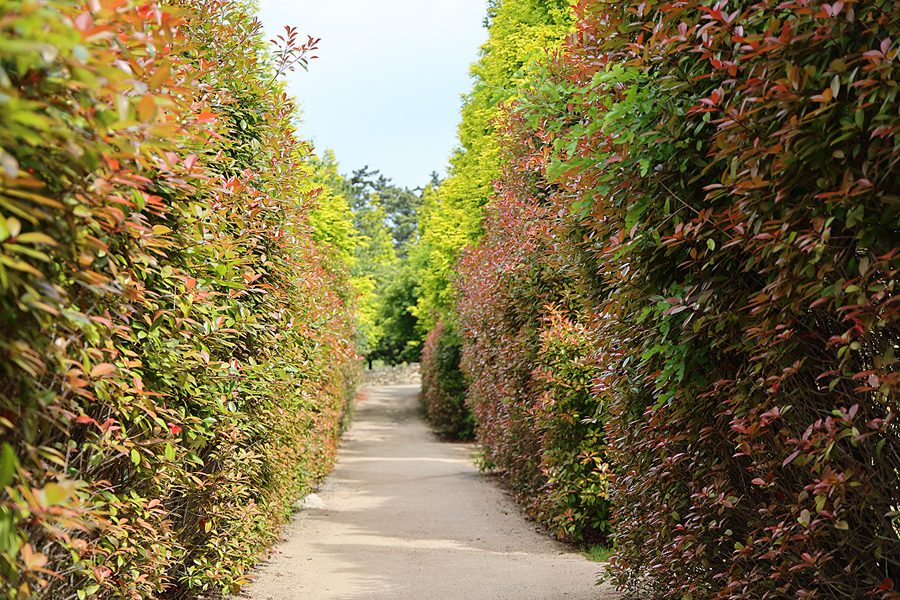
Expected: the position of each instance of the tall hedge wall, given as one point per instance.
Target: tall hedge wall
(443, 386)
(172, 343)
(526, 351)
(724, 175)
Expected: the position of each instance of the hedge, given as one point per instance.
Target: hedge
(526, 352)
(174, 355)
(725, 175)
(444, 388)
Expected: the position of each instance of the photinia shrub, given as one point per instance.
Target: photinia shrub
(526, 350)
(174, 345)
(443, 392)
(729, 169)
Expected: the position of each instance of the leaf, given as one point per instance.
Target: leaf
(146, 109)
(102, 369)
(159, 76)
(84, 22)
(58, 493)
(19, 265)
(37, 238)
(790, 458)
(33, 560)
(13, 226)
(9, 164)
(842, 525)
(7, 465)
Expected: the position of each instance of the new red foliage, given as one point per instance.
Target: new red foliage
(526, 355)
(443, 385)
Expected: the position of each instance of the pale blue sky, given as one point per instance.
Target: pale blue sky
(385, 90)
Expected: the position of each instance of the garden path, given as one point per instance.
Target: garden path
(407, 517)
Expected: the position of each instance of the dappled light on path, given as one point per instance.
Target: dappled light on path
(406, 516)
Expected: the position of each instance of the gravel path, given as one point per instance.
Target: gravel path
(406, 517)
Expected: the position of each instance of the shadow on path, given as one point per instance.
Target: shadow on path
(408, 517)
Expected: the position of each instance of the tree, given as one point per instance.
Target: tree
(385, 222)
(521, 31)
(401, 339)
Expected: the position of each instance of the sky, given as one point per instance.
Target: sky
(385, 90)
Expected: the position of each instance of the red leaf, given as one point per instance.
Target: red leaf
(83, 22)
(790, 458)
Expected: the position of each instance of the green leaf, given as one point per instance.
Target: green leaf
(7, 465)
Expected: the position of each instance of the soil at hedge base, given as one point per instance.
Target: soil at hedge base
(405, 516)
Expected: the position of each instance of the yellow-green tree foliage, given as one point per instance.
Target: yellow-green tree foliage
(520, 32)
(362, 255)
(331, 217)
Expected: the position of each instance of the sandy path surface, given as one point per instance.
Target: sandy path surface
(404, 516)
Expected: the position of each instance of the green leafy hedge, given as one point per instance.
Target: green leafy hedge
(173, 343)
(443, 385)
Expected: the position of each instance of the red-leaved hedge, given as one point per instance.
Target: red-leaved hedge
(443, 385)
(709, 193)
(527, 353)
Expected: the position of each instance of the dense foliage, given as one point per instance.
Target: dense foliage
(175, 346)
(519, 30)
(715, 184)
(443, 385)
(526, 354)
(384, 222)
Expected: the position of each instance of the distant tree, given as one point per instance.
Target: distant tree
(401, 339)
(385, 219)
(401, 205)
(520, 31)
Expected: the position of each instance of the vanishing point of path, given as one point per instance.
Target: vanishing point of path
(407, 517)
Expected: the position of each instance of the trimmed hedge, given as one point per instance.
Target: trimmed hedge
(443, 385)
(727, 185)
(526, 353)
(172, 342)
